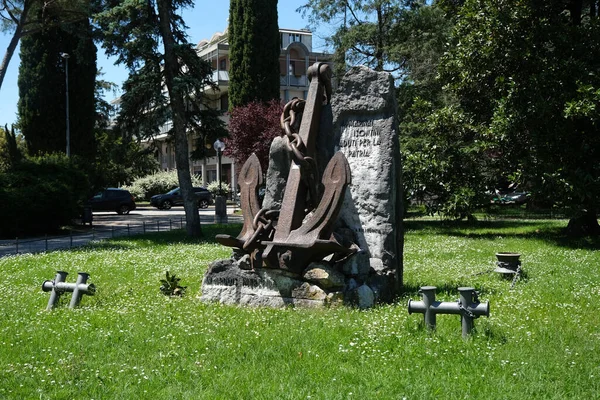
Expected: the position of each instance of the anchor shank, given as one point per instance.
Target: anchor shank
(294, 199)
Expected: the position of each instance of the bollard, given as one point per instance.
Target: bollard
(467, 306)
(58, 286)
(81, 288)
(52, 286)
(508, 263)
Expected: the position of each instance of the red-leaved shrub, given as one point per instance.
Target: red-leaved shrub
(252, 128)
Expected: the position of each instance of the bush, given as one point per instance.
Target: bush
(253, 128)
(213, 187)
(40, 195)
(160, 182)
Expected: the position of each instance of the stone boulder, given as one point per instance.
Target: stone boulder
(324, 275)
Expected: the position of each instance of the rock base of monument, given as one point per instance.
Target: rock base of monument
(352, 282)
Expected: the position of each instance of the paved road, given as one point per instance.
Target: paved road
(150, 215)
(109, 224)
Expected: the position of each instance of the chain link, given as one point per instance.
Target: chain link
(291, 111)
(290, 121)
(516, 278)
(263, 225)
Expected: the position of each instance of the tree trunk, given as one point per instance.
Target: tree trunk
(14, 41)
(171, 69)
(584, 225)
(8, 55)
(576, 9)
(379, 45)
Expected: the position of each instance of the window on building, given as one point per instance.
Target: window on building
(297, 68)
(294, 37)
(211, 175)
(223, 65)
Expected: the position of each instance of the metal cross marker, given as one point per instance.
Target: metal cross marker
(467, 306)
(58, 286)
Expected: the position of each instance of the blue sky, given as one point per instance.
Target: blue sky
(206, 18)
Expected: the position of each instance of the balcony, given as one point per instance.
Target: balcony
(293, 80)
(220, 76)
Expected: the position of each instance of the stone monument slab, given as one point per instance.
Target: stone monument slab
(366, 131)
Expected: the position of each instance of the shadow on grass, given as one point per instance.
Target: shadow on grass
(486, 230)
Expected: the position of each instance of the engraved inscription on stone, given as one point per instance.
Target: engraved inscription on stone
(359, 138)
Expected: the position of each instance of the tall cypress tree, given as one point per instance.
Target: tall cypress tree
(254, 49)
(42, 87)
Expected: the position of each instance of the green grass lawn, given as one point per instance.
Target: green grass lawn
(542, 339)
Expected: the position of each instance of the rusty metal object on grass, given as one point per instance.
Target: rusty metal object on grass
(301, 231)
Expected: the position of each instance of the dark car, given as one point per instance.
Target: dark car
(174, 198)
(112, 199)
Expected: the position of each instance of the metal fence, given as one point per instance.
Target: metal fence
(78, 238)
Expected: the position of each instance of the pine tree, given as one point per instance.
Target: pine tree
(254, 49)
(149, 38)
(42, 87)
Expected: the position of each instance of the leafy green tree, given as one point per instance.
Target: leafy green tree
(10, 148)
(375, 33)
(526, 72)
(254, 49)
(42, 87)
(135, 32)
(445, 162)
(120, 157)
(20, 19)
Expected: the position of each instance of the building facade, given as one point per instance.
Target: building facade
(295, 58)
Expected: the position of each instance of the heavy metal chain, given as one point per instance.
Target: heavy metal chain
(291, 111)
(290, 120)
(516, 278)
(263, 225)
(264, 221)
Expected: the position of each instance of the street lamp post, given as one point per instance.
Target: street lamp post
(66, 57)
(219, 147)
(220, 201)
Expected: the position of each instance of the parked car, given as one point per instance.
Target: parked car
(510, 197)
(174, 198)
(112, 199)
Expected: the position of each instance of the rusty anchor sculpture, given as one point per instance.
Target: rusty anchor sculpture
(302, 231)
